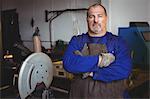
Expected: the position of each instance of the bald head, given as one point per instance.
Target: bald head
(95, 5)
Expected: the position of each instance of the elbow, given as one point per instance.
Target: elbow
(68, 66)
(127, 69)
(126, 73)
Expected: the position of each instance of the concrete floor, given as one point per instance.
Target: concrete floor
(60, 89)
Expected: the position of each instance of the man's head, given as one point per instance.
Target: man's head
(97, 20)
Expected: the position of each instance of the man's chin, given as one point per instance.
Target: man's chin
(97, 31)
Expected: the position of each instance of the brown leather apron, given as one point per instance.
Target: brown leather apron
(93, 89)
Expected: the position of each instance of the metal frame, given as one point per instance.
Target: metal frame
(54, 15)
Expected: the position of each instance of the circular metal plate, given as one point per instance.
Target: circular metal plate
(37, 68)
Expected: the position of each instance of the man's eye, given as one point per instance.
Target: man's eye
(100, 16)
(91, 16)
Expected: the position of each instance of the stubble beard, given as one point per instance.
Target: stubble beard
(96, 28)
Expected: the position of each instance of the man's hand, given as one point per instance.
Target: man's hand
(106, 59)
(88, 74)
(77, 52)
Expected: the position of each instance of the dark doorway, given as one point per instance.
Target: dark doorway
(10, 35)
(10, 29)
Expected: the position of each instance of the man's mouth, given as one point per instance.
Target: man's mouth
(96, 25)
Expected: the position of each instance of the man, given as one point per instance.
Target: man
(99, 60)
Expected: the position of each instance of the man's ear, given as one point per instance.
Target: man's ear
(107, 19)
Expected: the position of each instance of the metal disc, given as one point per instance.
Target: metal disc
(37, 68)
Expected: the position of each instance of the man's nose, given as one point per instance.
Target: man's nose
(96, 19)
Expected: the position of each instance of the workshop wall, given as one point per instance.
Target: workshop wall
(8, 4)
(124, 11)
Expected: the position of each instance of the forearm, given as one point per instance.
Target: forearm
(116, 71)
(80, 64)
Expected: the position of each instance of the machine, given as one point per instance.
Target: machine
(137, 36)
(36, 69)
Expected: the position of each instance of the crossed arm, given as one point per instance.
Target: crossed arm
(118, 69)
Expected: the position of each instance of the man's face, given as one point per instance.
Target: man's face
(97, 20)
